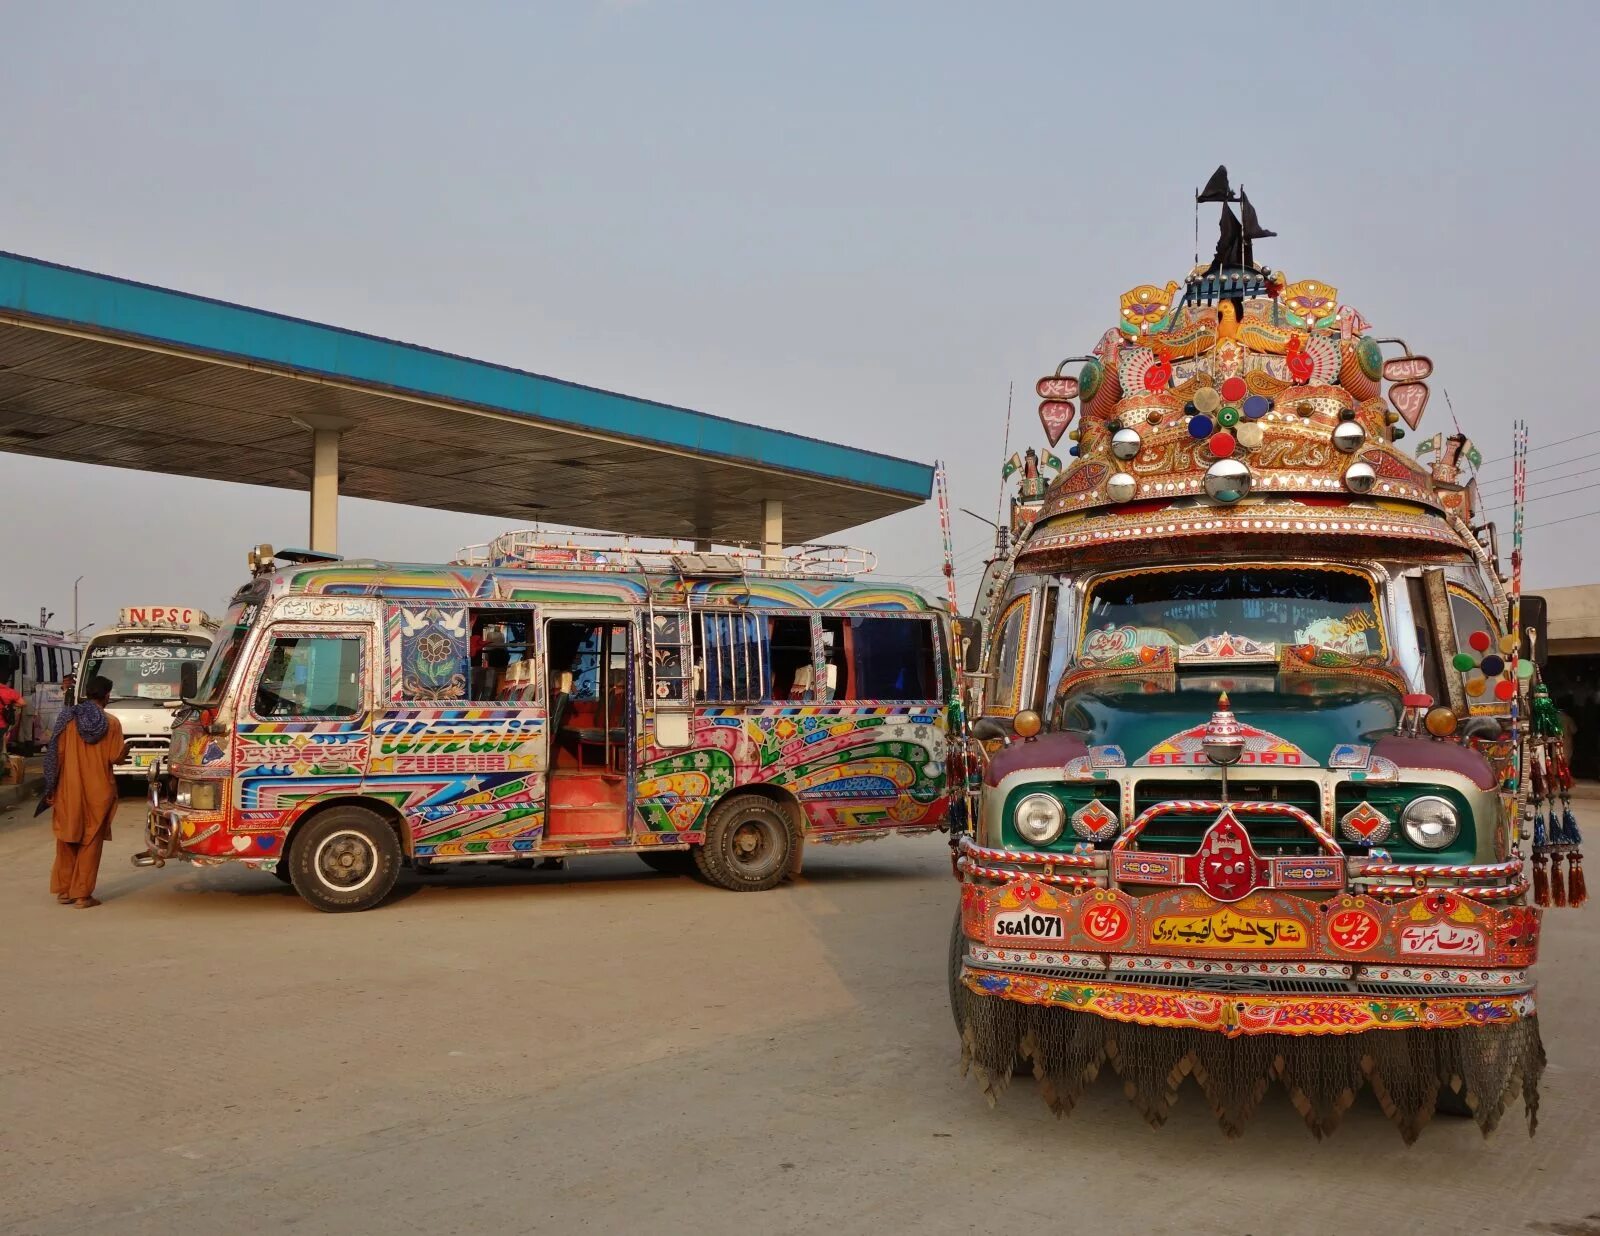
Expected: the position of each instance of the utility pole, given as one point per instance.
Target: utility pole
(75, 584)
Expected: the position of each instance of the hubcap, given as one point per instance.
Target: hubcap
(346, 861)
(753, 846)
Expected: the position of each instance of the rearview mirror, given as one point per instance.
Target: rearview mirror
(1536, 615)
(188, 679)
(969, 644)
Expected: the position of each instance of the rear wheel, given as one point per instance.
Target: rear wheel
(749, 841)
(668, 862)
(345, 859)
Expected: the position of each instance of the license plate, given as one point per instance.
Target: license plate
(142, 758)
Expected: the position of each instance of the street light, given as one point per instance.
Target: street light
(75, 627)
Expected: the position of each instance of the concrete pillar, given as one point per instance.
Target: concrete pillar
(325, 491)
(325, 431)
(771, 531)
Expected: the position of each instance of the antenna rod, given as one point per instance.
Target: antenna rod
(1005, 454)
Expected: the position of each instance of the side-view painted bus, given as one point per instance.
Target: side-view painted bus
(714, 711)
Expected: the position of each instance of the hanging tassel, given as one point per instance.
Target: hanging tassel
(1558, 882)
(1577, 890)
(1541, 879)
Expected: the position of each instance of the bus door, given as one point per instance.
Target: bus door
(589, 683)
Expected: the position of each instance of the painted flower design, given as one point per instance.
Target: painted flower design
(434, 648)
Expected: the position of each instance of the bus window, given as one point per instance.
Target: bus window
(734, 656)
(9, 661)
(790, 642)
(39, 672)
(836, 654)
(502, 653)
(893, 659)
(311, 676)
(1005, 662)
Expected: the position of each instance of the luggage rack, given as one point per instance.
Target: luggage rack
(531, 549)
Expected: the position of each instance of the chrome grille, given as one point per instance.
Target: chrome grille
(1271, 836)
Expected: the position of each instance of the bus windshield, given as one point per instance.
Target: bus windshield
(1269, 606)
(149, 669)
(224, 653)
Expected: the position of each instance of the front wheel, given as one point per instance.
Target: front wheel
(749, 842)
(345, 859)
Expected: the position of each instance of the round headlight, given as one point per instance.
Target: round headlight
(1040, 818)
(1430, 822)
(184, 795)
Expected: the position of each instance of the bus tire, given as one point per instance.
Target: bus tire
(668, 862)
(347, 858)
(749, 841)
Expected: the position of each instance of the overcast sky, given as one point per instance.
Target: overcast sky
(857, 222)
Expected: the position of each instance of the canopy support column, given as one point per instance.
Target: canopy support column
(325, 433)
(772, 532)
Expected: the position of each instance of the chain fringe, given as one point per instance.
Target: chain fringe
(1482, 1068)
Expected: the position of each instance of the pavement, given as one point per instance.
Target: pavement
(607, 1049)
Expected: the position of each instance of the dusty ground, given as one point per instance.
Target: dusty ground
(618, 1051)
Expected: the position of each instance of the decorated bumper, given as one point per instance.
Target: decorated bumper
(1393, 946)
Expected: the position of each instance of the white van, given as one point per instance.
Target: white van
(34, 661)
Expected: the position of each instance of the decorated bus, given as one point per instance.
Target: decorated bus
(714, 711)
(152, 656)
(1261, 786)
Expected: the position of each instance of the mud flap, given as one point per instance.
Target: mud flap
(1488, 1066)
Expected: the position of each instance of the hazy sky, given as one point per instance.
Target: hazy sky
(859, 222)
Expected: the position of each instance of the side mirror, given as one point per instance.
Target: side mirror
(969, 644)
(1535, 615)
(987, 729)
(188, 679)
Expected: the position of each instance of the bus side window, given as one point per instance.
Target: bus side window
(1005, 660)
(734, 657)
(8, 663)
(893, 659)
(836, 655)
(790, 640)
(504, 662)
(311, 676)
(39, 674)
(1469, 616)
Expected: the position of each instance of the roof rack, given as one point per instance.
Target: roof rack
(529, 548)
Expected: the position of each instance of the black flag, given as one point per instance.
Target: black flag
(1217, 189)
(1252, 225)
(1230, 243)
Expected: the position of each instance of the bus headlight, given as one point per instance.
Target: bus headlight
(1040, 818)
(1430, 822)
(200, 795)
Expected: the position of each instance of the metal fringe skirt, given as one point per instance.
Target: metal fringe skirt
(1479, 1068)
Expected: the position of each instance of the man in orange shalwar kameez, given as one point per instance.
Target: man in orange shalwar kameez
(79, 783)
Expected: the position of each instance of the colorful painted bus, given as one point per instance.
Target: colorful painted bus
(709, 711)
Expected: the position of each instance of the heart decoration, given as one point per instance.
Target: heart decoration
(1055, 415)
(1408, 369)
(1055, 387)
(1409, 398)
(241, 843)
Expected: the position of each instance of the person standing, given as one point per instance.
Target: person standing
(10, 715)
(85, 746)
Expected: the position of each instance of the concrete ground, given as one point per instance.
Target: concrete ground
(611, 1050)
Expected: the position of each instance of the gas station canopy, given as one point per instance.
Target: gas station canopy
(101, 370)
